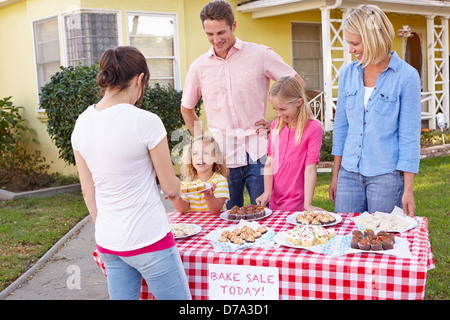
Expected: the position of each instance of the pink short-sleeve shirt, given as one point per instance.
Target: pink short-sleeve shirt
(289, 163)
(235, 93)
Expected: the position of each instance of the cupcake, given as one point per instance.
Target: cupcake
(392, 236)
(259, 212)
(369, 233)
(200, 185)
(240, 214)
(331, 233)
(307, 240)
(358, 234)
(354, 244)
(387, 243)
(376, 244)
(364, 244)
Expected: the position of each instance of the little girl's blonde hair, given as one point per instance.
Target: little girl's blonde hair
(289, 90)
(188, 172)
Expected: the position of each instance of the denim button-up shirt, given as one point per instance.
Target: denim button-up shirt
(385, 136)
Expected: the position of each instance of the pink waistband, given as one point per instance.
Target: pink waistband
(167, 242)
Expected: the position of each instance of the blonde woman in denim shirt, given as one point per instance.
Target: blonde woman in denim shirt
(376, 134)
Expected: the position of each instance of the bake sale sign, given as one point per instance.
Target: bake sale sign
(242, 282)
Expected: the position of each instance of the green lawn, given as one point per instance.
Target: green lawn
(28, 228)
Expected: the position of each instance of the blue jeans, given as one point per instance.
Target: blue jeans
(250, 176)
(162, 270)
(358, 193)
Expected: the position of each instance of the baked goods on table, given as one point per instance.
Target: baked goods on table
(307, 236)
(192, 186)
(368, 240)
(182, 229)
(384, 222)
(242, 235)
(248, 212)
(315, 218)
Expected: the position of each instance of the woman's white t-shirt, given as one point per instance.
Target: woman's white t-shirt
(115, 144)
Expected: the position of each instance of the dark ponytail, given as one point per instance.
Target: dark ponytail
(119, 65)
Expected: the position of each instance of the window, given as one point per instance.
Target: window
(155, 36)
(307, 54)
(88, 35)
(46, 46)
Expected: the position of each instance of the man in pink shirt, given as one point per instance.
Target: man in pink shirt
(233, 78)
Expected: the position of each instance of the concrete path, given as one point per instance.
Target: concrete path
(68, 270)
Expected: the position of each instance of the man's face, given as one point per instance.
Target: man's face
(220, 35)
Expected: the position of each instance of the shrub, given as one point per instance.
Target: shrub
(327, 146)
(19, 168)
(70, 91)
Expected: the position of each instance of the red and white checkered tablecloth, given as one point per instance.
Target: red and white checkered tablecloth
(307, 275)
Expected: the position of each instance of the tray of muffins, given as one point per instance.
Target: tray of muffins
(249, 212)
(380, 242)
(314, 218)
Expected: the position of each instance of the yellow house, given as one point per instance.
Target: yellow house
(38, 36)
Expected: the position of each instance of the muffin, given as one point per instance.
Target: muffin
(369, 233)
(364, 244)
(358, 234)
(388, 243)
(259, 212)
(376, 244)
(354, 244)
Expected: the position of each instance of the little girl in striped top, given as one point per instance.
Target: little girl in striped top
(203, 160)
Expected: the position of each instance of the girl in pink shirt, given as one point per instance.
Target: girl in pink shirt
(293, 151)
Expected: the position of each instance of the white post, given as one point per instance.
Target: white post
(326, 53)
(445, 71)
(431, 72)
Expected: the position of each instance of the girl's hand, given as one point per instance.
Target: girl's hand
(210, 192)
(174, 196)
(312, 208)
(263, 199)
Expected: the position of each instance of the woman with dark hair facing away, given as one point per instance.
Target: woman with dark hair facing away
(119, 149)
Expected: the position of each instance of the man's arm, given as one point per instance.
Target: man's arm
(192, 121)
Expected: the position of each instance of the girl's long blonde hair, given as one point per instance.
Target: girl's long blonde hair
(188, 172)
(289, 90)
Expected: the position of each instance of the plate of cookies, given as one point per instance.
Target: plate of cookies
(184, 230)
(314, 218)
(249, 212)
(246, 234)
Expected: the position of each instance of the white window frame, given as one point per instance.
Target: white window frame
(35, 51)
(87, 10)
(176, 57)
(320, 58)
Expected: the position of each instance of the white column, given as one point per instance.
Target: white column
(327, 77)
(431, 72)
(445, 71)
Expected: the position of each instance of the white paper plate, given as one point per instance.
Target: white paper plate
(207, 187)
(197, 229)
(410, 222)
(280, 238)
(292, 219)
(224, 216)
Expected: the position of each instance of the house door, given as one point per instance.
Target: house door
(414, 55)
